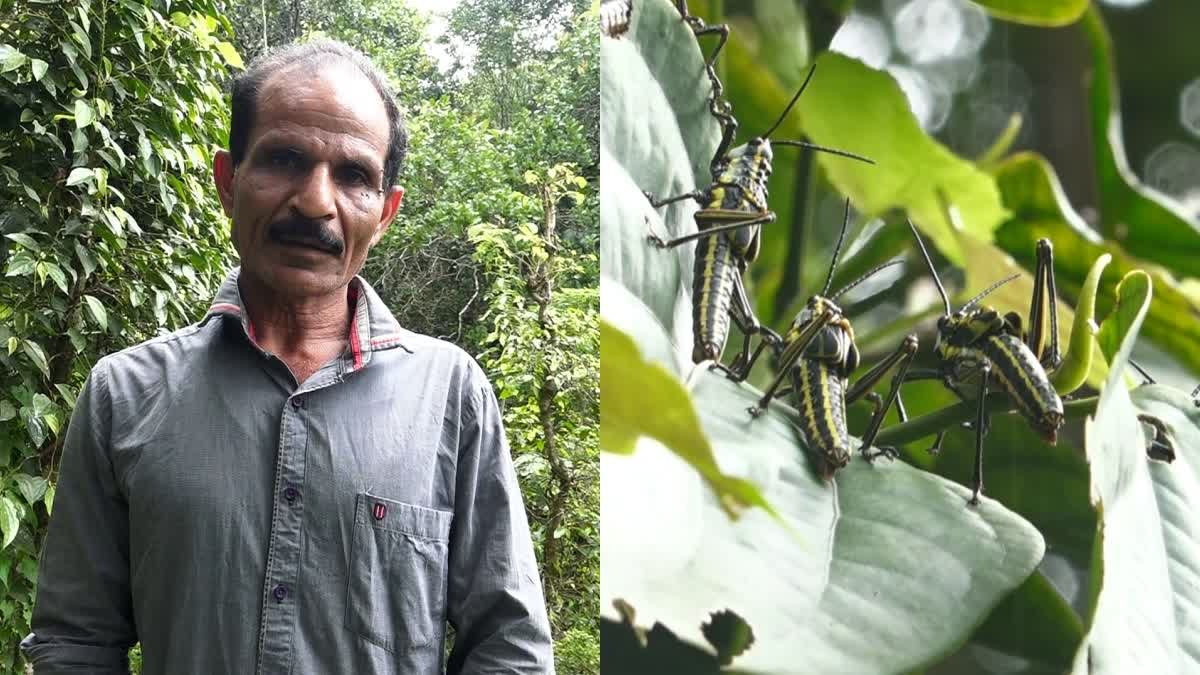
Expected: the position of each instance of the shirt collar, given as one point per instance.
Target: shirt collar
(372, 329)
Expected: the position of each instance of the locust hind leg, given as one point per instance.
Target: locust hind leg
(1043, 301)
(767, 217)
(743, 315)
(900, 360)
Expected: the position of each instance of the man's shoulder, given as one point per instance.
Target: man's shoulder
(163, 349)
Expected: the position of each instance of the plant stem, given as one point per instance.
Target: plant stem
(927, 425)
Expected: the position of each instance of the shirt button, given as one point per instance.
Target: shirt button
(280, 593)
(290, 493)
(297, 402)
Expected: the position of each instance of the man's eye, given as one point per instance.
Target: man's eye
(350, 176)
(284, 159)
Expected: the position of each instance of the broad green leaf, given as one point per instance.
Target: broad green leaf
(38, 67)
(1036, 12)
(890, 551)
(644, 399)
(14, 343)
(1148, 544)
(58, 276)
(1032, 191)
(10, 58)
(7, 411)
(661, 139)
(230, 54)
(1145, 222)
(79, 175)
(910, 166)
(10, 521)
(84, 115)
(25, 240)
(96, 310)
(52, 422)
(41, 404)
(32, 488)
(35, 354)
(48, 498)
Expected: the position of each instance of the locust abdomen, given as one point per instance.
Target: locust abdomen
(712, 287)
(819, 394)
(1026, 381)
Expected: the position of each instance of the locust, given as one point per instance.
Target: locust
(817, 357)
(978, 350)
(733, 208)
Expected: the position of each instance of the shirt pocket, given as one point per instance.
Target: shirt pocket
(396, 593)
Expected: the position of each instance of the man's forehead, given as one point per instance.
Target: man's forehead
(334, 99)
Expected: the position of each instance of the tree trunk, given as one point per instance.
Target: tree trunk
(540, 287)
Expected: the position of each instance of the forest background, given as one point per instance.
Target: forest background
(110, 111)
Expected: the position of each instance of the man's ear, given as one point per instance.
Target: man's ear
(391, 206)
(223, 177)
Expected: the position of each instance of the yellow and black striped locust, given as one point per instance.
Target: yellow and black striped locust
(818, 356)
(978, 350)
(732, 209)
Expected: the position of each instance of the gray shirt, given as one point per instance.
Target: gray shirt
(236, 522)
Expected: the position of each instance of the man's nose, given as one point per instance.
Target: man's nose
(316, 194)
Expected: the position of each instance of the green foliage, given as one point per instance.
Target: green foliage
(984, 217)
(112, 232)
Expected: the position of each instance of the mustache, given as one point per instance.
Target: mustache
(297, 229)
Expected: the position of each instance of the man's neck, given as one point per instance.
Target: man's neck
(303, 332)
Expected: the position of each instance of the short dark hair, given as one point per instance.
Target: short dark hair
(246, 87)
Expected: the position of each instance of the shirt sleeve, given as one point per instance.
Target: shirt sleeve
(495, 600)
(83, 615)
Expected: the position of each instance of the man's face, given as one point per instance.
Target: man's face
(306, 200)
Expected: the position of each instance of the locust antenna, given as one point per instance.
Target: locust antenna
(837, 249)
(823, 148)
(870, 273)
(932, 271)
(988, 290)
(812, 69)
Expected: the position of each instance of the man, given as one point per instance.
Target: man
(296, 484)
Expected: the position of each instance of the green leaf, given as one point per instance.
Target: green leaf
(1077, 362)
(644, 399)
(35, 354)
(1145, 222)
(1148, 547)
(658, 48)
(1036, 12)
(10, 521)
(10, 58)
(96, 310)
(85, 259)
(7, 411)
(1133, 295)
(1040, 209)
(58, 276)
(32, 488)
(911, 168)
(25, 240)
(38, 67)
(230, 54)
(48, 498)
(84, 115)
(14, 344)
(869, 559)
(79, 175)
(41, 404)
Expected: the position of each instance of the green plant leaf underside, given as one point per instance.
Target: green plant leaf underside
(892, 571)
